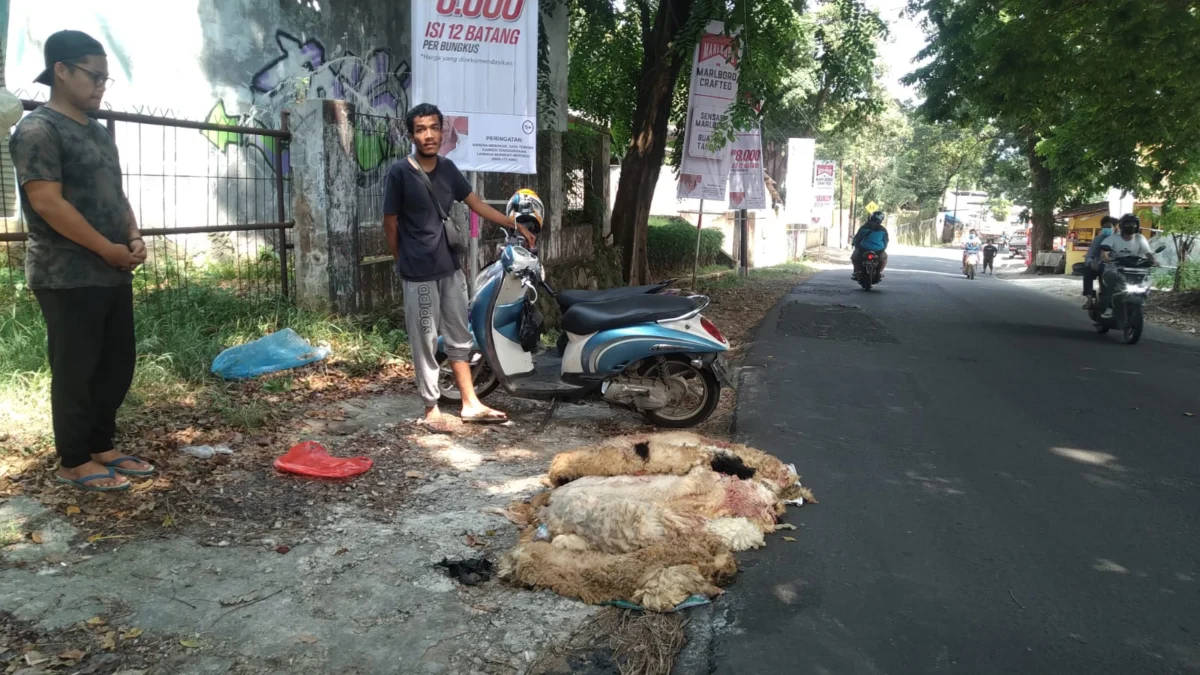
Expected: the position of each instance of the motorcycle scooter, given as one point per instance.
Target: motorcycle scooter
(972, 263)
(870, 270)
(486, 381)
(1124, 288)
(648, 351)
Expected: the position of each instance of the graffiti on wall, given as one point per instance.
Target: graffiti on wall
(376, 84)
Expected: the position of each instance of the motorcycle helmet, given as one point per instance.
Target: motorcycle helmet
(1130, 224)
(526, 208)
(876, 217)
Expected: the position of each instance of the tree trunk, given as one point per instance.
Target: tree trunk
(1044, 201)
(648, 142)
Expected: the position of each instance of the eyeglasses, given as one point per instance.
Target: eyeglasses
(98, 79)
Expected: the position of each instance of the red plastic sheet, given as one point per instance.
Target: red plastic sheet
(311, 459)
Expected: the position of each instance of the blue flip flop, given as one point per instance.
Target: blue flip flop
(82, 483)
(115, 466)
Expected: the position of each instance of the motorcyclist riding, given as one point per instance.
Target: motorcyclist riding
(971, 244)
(1092, 266)
(1128, 241)
(872, 236)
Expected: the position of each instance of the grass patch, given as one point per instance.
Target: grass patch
(178, 335)
(729, 281)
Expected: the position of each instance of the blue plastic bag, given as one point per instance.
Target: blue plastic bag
(268, 354)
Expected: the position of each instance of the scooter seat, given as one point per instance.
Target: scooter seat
(567, 299)
(593, 317)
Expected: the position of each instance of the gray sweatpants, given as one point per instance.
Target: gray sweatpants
(430, 308)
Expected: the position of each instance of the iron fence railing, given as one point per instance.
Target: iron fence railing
(212, 202)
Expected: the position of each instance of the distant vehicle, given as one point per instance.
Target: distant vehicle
(1017, 244)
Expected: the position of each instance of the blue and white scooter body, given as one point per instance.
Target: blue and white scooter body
(644, 364)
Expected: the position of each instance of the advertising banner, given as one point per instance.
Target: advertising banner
(798, 202)
(476, 60)
(704, 173)
(747, 187)
(824, 174)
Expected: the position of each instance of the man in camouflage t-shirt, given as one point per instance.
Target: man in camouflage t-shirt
(84, 243)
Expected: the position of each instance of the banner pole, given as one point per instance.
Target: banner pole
(473, 248)
(696, 259)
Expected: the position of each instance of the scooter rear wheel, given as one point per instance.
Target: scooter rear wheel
(685, 415)
(485, 380)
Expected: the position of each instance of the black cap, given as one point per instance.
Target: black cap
(67, 46)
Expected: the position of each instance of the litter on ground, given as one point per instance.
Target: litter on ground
(311, 459)
(281, 350)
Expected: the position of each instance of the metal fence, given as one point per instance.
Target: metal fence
(212, 202)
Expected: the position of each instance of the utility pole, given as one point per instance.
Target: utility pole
(853, 196)
(957, 188)
(841, 195)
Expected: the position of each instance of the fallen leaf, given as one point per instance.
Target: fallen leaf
(307, 638)
(342, 551)
(34, 658)
(37, 537)
(139, 487)
(109, 641)
(73, 510)
(789, 539)
(472, 541)
(282, 550)
(490, 533)
(191, 644)
(72, 655)
(131, 634)
(97, 621)
(169, 521)
(785, 526)
(239, 600)
(414, 474)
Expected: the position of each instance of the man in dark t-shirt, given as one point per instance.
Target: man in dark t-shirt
(84, 243)
(434, 286)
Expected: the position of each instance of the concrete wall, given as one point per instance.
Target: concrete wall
(237, 62)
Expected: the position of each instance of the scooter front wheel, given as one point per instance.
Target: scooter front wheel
(481, 374)
(695, 393)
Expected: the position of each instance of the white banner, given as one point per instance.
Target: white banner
(747, 187)
(704, 173)
(798, 201)
(476, 60)
(824, 175)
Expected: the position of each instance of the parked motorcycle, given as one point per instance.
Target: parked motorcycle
(651, 352)
(1124, 287)
(870, 270)
(486, 381)
(972, 263)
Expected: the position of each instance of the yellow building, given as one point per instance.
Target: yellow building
(1083, 224)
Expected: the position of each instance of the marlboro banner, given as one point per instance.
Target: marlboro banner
(824, 173)
(824, 178)
(476, 60)
(747, 187)
(704, 172)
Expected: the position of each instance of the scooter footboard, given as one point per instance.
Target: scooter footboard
(612, 351)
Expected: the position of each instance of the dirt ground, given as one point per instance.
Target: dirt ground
(225, 565)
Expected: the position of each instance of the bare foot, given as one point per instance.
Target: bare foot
(435, 420)
(103, 458)
(482, 413)
(92, 468)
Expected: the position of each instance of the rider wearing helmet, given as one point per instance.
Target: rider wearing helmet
(1128, 241)
(871, 237)
(971, 243)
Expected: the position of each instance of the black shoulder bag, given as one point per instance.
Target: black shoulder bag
(456, 235)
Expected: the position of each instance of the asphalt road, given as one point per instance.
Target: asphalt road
(1002, 490)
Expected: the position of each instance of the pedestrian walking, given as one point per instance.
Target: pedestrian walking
(84, 243)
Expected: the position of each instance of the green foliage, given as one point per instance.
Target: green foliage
(1182, 224)
(999, 206)
(178, 334)
(671, 246)
(605, 47)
